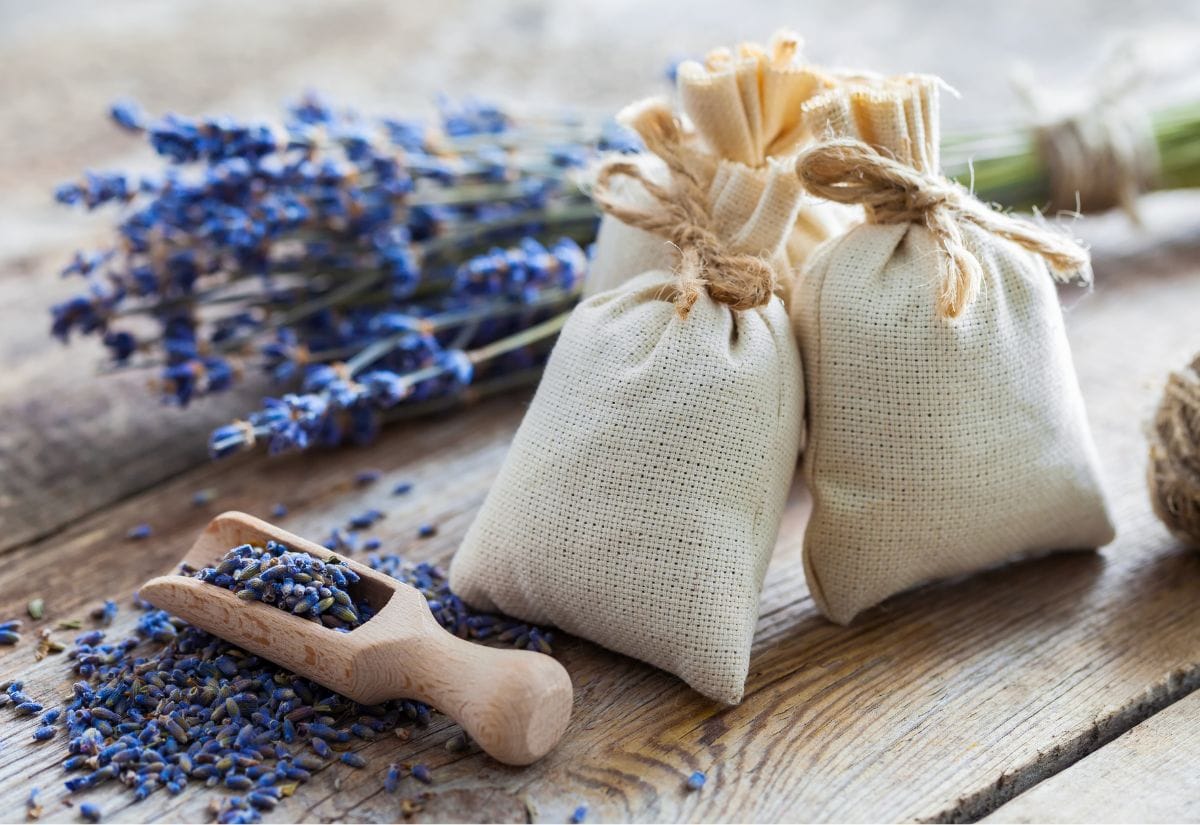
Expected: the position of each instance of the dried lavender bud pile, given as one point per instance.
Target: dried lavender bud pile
(293, 581)
(455, 616)
(173, 706)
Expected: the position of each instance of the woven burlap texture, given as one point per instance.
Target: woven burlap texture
(640, 501)
(937, 446)
(641, 498)
(746, 109)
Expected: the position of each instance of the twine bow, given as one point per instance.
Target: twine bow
(850, 171)
(681, 215)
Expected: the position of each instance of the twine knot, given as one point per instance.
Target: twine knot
(850, 171)
(1174, 474)
(681, 215)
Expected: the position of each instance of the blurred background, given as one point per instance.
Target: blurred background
(66, 61)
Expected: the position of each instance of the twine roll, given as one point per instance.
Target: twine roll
(681, 214)
(1174, 473)
(850, 171)
(1098, 159)
(1102, 155)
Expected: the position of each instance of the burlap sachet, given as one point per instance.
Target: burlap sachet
(746, 110)
(640, 501)
(947, 432)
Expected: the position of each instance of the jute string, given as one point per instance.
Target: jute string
(1174, 474)
(681, 215)
(1103, 155)
(850, 171)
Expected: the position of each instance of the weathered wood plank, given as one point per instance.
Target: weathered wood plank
(1148, 774)
(943, 704)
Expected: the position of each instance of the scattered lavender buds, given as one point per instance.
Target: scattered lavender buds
(105, 613)
(367, 477)
(452, 614)
(341, 541)
(365, 519)
(354, 760)
(293, 581)
(173, 706)
(392, 779)
(696, 781)
(10, 632)
(33, 808)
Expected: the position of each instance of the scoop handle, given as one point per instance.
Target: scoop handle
(514, 703)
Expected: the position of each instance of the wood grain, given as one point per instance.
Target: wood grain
(1148, 774)
(941, 705)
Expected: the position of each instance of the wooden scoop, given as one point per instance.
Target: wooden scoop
(514, 703)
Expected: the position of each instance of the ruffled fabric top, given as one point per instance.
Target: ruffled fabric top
(745, 108)
(899, 116)
(746, 105)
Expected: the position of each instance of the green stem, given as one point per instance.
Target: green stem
(538, 332)
(1008, 170)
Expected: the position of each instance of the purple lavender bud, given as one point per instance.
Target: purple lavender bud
(127, 114)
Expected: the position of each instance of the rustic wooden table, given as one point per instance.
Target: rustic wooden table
(1050, 690)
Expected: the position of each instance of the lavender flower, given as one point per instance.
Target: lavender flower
(365, 263)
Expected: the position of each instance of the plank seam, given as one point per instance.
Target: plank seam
(981, 803)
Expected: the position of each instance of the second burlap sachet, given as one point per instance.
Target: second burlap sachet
(640, 501)
(745, 105)
(947, 432)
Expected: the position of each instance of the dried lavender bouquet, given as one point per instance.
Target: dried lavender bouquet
(1101, 157)
(368, 262)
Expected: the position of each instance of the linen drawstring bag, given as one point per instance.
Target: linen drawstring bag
(947, 432)
(746, 110)
(639, 503)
